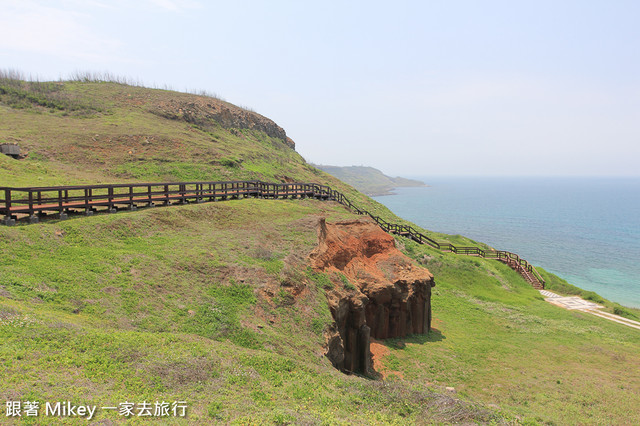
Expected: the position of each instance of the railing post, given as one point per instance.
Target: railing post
(111, 208)
(7, 201)
(7, 208)
(30, 203)
(87, 207)
(132, 206)
(63, 215)
(150, 202)
(33, 218)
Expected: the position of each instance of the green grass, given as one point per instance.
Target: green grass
(160, 304)
(47, 96)
(345, 282)
(320, 279)
(499, 342)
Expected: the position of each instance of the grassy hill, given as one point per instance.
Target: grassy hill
(214, 303)
(369, 180)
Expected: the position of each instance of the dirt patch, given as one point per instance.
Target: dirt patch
(378, 352)
(307, 223)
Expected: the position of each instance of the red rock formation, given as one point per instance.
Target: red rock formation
(392, 296)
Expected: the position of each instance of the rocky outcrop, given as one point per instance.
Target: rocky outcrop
(207, 112)
(389, 297)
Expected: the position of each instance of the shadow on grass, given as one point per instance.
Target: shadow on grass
(434, 335)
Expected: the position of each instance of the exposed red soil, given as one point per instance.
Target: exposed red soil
(378, 352)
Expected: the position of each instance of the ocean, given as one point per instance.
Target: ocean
(585, 230)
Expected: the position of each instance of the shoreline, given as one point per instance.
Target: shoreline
(391, 190)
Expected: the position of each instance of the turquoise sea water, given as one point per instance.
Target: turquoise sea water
(585, 230)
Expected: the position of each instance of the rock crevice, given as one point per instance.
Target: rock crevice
(390, 296)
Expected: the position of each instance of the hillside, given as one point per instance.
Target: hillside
(216, 304)
(368, 180)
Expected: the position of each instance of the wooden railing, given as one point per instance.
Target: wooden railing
(34, 202)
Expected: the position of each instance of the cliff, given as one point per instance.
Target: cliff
(369, 180)
(384, 294)
(208, 112)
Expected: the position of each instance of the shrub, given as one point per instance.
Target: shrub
(232, 163)
(283, 298)
(215, 410)
(291, 276)
(345, 282)
(317, 325)
(263, 253)
(26, 94)
(321, 280)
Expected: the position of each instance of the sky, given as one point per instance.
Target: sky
(414, 88)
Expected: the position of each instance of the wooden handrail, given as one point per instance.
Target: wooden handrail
(39, 199)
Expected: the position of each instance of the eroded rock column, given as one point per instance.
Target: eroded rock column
(392, 296)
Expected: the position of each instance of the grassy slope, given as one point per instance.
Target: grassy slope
(173, 303)
(212, 303)
(499, 342)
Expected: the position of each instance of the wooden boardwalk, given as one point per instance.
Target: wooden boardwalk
(29, 204)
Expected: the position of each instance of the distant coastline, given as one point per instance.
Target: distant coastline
(369, 180)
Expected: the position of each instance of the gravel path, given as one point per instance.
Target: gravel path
(577, 304)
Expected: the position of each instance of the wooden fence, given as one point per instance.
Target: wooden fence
(33, 202)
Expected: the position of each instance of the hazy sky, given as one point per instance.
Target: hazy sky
(528, 87)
